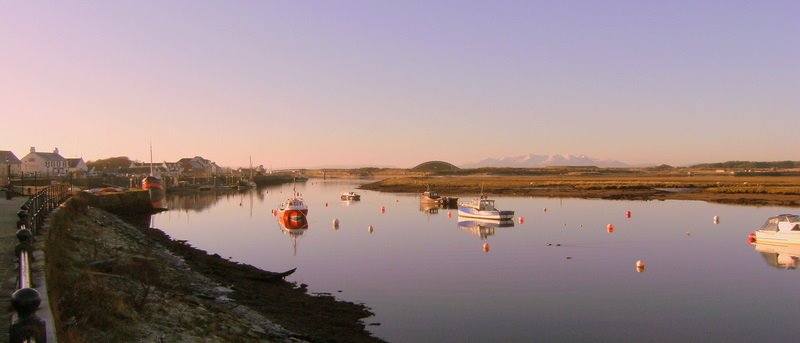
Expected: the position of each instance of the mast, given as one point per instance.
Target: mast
(151, 159)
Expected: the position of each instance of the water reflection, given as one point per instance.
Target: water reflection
(779, 256)
(481, 228)
(293, 227)
(201, 201)
(433, 208)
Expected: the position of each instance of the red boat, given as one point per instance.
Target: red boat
(293, 209)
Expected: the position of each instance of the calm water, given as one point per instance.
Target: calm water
(428, 279)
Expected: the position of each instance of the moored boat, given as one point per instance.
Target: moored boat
(293, 209)
(783, 229)
(350, 196)
(154, 185)
(483, 208)
(431, 197)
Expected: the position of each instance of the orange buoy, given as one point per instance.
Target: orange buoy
(521, 219)
(610, 228)
(640, 266)
(383, 209)
(274, 213)
(628, 214)
(751, 238)
(485, 247)
(449, 214)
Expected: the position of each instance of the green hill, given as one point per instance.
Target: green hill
(435, 166)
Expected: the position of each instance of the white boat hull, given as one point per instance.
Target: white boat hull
(778, 237)
(490, 215)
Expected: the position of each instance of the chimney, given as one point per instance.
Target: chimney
(33, 149)
(55, 151)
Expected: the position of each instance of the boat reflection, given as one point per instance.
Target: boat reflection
(433, 208)
(482, 228)
(778, 255)
(293, 227)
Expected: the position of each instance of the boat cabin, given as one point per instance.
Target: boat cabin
(487, 205)
(782, 222)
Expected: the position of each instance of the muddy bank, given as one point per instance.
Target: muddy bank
(110, 281)
(783, 194)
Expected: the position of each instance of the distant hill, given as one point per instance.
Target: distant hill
(541, 161)
(749, 165)
(435, 166)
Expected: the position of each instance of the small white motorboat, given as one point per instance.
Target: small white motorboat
(782, 229)
(347, 196)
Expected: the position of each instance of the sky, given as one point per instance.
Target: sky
(397, 83)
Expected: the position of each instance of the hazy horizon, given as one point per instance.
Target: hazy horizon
(352, 83)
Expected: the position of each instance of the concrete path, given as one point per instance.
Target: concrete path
(8, 262)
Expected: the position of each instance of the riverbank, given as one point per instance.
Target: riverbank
(111, 281)
(754, 190)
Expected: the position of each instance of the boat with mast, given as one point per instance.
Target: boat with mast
(154, 185)
(248, 183)
(483, 208)
(293, 209)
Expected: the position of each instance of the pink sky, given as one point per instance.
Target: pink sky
(351, 83)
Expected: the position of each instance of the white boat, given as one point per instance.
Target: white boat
(350, 196)
(483, 208)
(783, 229)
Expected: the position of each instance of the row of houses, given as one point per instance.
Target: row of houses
(37, 163)
(48, 164)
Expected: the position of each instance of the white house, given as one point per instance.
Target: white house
(77, 167)
(44, 163)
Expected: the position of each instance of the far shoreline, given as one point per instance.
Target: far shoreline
(756, 191)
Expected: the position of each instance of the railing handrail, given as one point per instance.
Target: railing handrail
(27, 326)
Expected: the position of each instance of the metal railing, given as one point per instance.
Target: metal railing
(27, 326)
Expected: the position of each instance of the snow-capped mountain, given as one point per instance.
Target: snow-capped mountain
(540, 161)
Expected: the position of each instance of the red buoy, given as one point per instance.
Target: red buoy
(383, 209)
(610, 228)
(485, 247)
(628, 214)
(521, 219)
(751, 238)
(449, 214)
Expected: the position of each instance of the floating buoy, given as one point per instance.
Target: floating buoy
(336, 223)
(545, 209)
(449, 214)
(751, 238)
(716, 220)
(485, 247)
(639, 266)
(383, 209)
(370, 229)
(610, 228)
(521, 219)
(274, 213)
(326, 204)
(628, 214)
(397, 200)
(688, 233)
